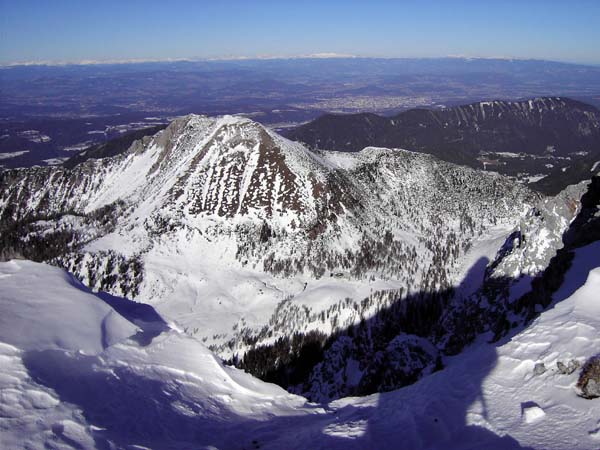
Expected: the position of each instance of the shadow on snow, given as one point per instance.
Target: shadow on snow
(129, 409)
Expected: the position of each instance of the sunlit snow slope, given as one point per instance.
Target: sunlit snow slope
(77, 374)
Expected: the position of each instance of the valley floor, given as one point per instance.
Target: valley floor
(118, 377)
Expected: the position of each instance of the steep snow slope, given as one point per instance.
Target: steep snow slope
(171, 393)
(240, 235)
(406, 338)
(62, 387)
(35, 297)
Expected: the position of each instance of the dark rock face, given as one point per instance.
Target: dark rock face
(589, 379)
(499, 126)
(539, 369)
(568, 369)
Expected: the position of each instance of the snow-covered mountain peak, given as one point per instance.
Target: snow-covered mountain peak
(241, 167)
(221, 221)
(226, 166)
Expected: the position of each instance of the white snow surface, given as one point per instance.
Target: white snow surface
(10, 155)
(170, 392)
(35, 295)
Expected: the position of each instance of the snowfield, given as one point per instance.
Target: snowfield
(35, 296)
(80, 373)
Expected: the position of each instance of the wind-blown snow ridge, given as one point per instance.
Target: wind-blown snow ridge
(35, 298)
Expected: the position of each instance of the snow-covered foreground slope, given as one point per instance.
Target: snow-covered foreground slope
(36, 298)
(61, 387)
(167, 391)
(491, 390)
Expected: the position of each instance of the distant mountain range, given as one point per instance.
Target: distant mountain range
(549, 142)
(71, 107)
(512, 137)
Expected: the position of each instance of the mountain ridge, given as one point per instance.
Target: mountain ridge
(514, 137)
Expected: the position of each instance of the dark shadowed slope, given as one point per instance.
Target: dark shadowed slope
(111, 148)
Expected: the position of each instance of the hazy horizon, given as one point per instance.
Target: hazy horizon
(319, 56)
(34, 31)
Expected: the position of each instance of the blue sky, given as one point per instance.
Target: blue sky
(74, 30)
